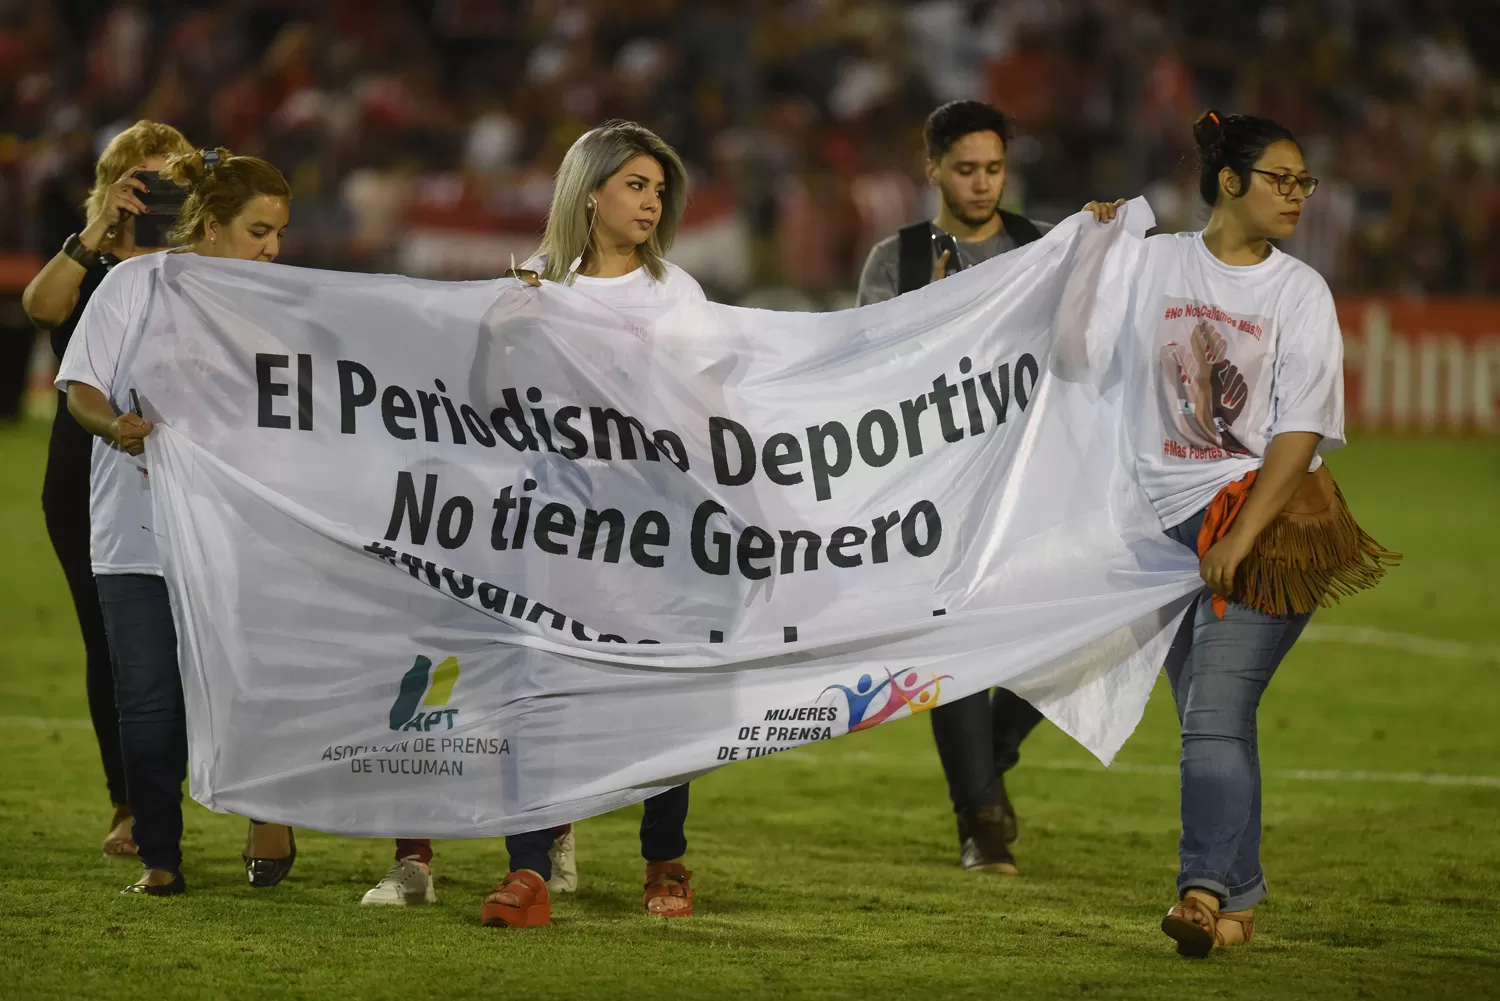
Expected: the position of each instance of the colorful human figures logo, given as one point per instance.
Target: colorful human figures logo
(901, 691)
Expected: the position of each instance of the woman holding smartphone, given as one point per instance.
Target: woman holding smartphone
(237, 207)
(53, 301)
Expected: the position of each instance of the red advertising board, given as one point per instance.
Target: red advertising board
(1422, 364)
(16, 271)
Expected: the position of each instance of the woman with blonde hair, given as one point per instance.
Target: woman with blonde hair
(616, 205)
(236, 207)
(54, 300)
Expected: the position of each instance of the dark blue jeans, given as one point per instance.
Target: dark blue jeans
(1218, 669)
(662, 836)
(153, 724)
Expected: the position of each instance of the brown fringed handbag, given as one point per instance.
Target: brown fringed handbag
(1311, 555)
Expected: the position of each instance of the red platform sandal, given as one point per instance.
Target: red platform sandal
(520, 901)
(669, 890)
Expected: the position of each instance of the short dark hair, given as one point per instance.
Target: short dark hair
(1233, 141)
(956, 119)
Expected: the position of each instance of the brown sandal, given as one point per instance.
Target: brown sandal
(119, 842)
(528, 906)
(669, 890)
(1193, 922)
(1234, 927)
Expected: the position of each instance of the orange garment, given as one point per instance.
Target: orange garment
(1222, 511)
(1310, 555)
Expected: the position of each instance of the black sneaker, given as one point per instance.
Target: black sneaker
(981, 841)
(1007, 812)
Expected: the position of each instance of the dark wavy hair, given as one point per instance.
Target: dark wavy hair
(956, 119)
(1233, 141)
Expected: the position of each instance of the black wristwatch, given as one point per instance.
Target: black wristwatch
(75, 249)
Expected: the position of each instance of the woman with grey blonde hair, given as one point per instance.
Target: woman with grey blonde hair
(616, 205)
(618, 198)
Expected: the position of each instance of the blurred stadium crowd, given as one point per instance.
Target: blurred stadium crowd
(421, 136)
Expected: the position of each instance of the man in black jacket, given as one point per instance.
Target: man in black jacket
(978, 737)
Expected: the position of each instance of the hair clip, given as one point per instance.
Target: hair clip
(210, 159)
(525, 274)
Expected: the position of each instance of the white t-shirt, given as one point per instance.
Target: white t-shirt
(637, 290)
(1227, 357)
(121, 539)
(645, 300)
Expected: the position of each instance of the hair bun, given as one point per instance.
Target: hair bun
(1208, 133)
(188, 170)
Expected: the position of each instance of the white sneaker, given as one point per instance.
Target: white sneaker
(407, 884)
(564, 856)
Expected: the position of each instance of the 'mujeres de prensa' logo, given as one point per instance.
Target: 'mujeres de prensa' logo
(902, 691)
(423, 686)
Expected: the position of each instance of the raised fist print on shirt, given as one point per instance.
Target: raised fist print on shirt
(1210, 391)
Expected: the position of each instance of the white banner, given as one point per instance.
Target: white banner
(458, 560)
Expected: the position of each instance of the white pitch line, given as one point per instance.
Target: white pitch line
(1287, 774)
(1406, 642)
(803, 756)
(47, 723)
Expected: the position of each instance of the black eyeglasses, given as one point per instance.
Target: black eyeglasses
(1285, 182)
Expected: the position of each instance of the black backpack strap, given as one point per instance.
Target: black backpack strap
(915, 268)
(1020, 228)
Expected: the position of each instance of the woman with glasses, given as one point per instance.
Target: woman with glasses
(1235, 363)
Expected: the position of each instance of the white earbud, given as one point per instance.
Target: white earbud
(591, 204)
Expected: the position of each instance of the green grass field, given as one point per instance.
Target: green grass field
(830, 872)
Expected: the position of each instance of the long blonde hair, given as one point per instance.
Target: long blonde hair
(144, 138)
(596, 157)
(218, 189)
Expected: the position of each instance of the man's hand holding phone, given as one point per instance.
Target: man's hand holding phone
(945, 255)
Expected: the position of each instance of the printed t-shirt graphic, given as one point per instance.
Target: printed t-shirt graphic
(1211, 362)
(1222, 359)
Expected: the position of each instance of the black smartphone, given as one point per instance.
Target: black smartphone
(942, 241)
(163, 201)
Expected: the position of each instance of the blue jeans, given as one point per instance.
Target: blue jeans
(1218, 669)
(153, 723)
(662, 837)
